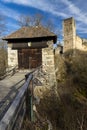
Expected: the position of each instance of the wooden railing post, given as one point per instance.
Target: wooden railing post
(21, 105)
(29, 101)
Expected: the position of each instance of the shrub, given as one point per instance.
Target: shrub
(76, 66)
(68, 113)
(3, 61)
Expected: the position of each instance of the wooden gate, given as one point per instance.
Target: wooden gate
(29, 58)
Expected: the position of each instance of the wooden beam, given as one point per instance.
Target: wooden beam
(29, 45)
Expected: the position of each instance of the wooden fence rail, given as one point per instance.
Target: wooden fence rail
(9, 72)
(13, 118)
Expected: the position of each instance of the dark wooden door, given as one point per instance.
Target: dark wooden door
(29, 58)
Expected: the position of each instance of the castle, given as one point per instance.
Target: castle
(71, 40)
(28, 43)
(30, 47)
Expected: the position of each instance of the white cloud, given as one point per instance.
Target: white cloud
(76, 11)
(62, 8)
(40, 4)
(11, 26)
(9, 12)
(53, 8)
(81, 28)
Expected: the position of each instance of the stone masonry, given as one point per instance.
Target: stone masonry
(12, 57)
(48, 62)
(69, 29)
(71, 40)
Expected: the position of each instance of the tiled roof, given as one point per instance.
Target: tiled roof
(30, 32)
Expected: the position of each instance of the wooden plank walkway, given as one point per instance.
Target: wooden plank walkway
(8, 83)
(9, 87)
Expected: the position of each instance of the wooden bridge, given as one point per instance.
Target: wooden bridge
(16, 95)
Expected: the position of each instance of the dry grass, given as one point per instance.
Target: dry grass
(3, 61)
(69, 113)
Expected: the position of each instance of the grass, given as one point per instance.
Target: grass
(70, 111)
(3, 61)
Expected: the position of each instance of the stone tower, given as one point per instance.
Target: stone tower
(69, 30)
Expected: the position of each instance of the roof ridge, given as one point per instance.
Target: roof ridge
(30, 32)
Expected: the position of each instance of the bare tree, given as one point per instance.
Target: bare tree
(50, 26)
(38, 19)
(24, 20)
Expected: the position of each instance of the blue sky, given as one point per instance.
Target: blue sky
(56, 10)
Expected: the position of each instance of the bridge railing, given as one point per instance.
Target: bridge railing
(9, 72)
(13, 118)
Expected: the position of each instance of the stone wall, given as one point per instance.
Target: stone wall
(69, 30)
(84, 47)
(12, 56)
(58, 50)
(78, 43)
(71, 41)
(48, 62)
(84, 44)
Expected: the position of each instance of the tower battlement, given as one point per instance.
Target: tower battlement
(71, 40)
(69, 30)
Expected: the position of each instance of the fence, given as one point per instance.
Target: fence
(9, 72)
(22, 104)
